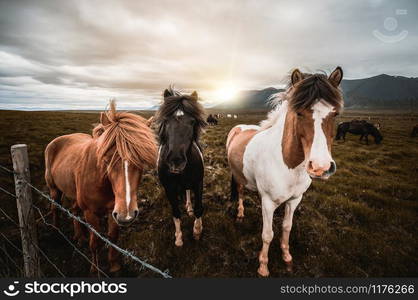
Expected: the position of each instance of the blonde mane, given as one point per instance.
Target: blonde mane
(128, 136)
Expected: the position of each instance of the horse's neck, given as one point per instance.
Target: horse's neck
(283, 138)
(90, 163)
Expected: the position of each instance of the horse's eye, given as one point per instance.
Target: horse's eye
(336, 114)
(299, 114)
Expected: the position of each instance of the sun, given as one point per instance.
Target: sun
(226, 93)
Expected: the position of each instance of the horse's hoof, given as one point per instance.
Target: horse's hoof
(289, 266)
(263, 271)
(115, 267)
(93, 270)
(178, 243)
(197, 236)
(190, 213)
(240, 219)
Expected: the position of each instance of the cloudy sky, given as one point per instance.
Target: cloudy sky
(78, 54)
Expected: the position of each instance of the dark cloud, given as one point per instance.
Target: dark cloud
(76, 50)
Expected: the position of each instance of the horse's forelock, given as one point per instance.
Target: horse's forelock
(130, 137)
(312, 88)
(186, 104)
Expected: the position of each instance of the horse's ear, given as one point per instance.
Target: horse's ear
(167, 93)
(104, 119)
(336, 76)
(296, 76)
(194, 95)
(150, 121)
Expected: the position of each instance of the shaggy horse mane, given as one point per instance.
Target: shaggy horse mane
(128, 135)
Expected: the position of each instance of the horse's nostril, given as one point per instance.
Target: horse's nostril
(136, 212)
(310, 167)
(115, 215)
(332, 168)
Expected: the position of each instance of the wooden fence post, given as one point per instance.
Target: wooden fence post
(24, 207)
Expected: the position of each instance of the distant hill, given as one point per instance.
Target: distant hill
(382, 91)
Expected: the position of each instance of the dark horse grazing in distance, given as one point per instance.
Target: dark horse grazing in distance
(180, 120)
(414, 131)
(361, 128)
(211, 120)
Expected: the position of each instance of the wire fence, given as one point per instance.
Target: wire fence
(107, 242)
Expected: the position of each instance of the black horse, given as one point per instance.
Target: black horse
(361, 128)
(180, 120)
(414, 131)
(212, 120)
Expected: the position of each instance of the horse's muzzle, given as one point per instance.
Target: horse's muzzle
(328, 173)
(177, 168)
(128, 220)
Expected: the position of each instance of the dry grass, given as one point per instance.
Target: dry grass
(361, 222)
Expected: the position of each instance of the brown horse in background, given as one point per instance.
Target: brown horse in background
(101, 173)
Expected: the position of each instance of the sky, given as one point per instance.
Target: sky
(77, 54)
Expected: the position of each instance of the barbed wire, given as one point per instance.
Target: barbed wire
(7, 192)
(34, 244)
(6, 169)
(104, 239)
(68, 241)
(91, 228)
(11, 243)
(12, 260)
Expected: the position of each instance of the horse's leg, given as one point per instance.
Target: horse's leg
(56, 195)
(172, 196)
(289, 209)
(268, 207)
(237, 191)
(80, 231)
(94, 242)
(113, 254)
(189, 207)
(367, 139)
(197, 226)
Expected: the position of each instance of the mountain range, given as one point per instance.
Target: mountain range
(382, 91)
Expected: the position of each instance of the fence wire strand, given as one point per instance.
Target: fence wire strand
(69, 242)
(34, 244)
(91, 228)
(12, 260)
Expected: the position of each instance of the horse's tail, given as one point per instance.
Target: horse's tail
(47, 164)
(234, 189)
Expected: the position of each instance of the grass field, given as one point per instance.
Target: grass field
(362, 222)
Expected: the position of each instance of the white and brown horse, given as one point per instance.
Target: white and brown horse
(101, 173)
(279, 158)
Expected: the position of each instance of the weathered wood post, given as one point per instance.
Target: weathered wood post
(24, 208)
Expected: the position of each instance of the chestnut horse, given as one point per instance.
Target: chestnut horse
(101, 173)
(279, 158)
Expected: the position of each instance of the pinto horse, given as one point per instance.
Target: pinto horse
(101, 173)
(279, 158)
(180, 120)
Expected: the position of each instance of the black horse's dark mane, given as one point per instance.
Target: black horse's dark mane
(185, 103)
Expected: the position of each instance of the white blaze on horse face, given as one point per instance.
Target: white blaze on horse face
(127, 185)
(179, 113)
(319, 155)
